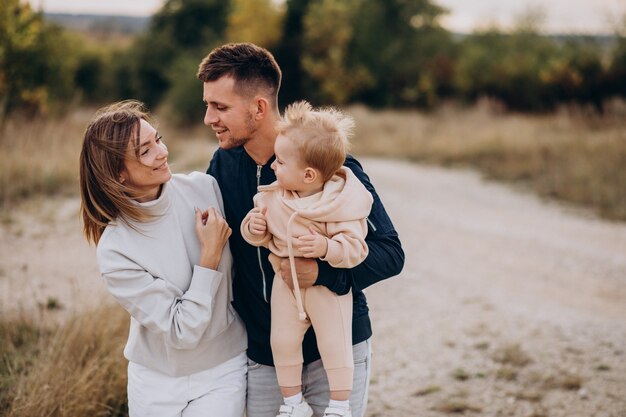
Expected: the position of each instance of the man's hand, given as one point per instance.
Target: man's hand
(306, 268)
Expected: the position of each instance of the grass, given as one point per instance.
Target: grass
(511, 355)
(40, 157)
(570, 155)
(506, 373)
(52, 303)
(70, 369)
(565, 381)
(461, 374)
(430, 389)
(482, 345)
(456, 406)
(555, 380)
(529, 395)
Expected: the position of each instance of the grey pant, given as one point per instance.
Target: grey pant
(264, 397)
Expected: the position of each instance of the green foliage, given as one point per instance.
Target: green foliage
(191, 24)
(327, 34)
(616, 77)
(382, 53)
(183, 101)
(152, 55)
(529, 72)
(182, 28)
(96, 76)
(404, 50)
(256, 21)
(575, 73)
(288, 51)
(497, 65)
(34, 68)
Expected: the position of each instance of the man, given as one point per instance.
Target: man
(241, 84)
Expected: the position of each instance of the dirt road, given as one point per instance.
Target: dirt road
(507, 306)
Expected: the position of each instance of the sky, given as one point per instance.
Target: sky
(562, 16)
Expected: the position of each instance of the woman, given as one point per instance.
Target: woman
(168, 264)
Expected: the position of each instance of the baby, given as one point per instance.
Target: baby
(316, 208)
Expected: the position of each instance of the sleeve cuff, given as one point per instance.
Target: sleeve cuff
(334, 279)
(254, 240)
(205, 280)
(334, 253)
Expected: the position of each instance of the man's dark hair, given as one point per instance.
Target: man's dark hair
(252, 67)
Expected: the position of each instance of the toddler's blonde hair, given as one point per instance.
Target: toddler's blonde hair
(321, 135)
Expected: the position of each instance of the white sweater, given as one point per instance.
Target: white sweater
(182, 321)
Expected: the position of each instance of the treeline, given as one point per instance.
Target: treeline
(383, 53)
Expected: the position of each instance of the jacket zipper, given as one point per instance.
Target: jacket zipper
(371, 224)
(258, 249)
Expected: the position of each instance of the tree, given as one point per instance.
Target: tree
(180, 28)
(256, 21)
(513, 68)
(403, 47)
(34, 64)
(615, 83)
(327, 34)
(288, 52)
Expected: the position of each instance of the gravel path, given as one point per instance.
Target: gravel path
(507, 306)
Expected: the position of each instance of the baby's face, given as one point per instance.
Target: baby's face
(288, 166)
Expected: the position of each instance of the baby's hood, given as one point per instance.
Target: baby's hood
(344, 198)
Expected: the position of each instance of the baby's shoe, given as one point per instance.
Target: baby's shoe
(336, 412)
(301, 410)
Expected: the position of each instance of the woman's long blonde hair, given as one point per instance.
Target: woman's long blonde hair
(103, 196)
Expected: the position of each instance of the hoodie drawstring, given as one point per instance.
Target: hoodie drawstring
(292, 264)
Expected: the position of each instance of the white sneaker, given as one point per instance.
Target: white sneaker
(301, 410)
(336, 412)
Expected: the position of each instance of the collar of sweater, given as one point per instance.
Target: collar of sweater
(159, 206)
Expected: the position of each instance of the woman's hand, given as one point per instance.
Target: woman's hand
(213, 233)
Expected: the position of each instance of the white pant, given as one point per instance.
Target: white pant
(219, 391)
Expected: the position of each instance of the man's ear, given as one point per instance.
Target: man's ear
(262, 108)
(310, 175)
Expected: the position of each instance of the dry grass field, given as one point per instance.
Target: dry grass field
(40, 157)
(482, 353)
(71, 369)
(572, 155)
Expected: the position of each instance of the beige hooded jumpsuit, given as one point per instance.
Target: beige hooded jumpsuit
(338, 212)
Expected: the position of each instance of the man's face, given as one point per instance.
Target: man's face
(230, 115)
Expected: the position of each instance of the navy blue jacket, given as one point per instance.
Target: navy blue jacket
(238, 176)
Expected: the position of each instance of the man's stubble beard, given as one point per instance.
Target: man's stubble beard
(251, 129)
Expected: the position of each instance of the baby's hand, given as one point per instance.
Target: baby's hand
(257, 224)
(313, 245)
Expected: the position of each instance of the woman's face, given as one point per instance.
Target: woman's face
(146, 174)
